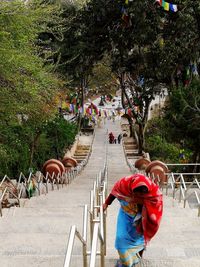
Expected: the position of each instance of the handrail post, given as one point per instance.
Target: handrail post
(70, 246)
(94, 245)
(1, 209)
(85, 220)
(198, 200)
(85, 255)
(180, 188)
(102, 254)
(184, 202)
(91, 213)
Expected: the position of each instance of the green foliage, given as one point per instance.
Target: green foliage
(27, 84)
(16, 150)
(163, 143)
(183, 115)
(23, 148)
(160, 149)
(60, 134)
(102, 77)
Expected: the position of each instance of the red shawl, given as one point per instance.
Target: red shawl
(151, 201)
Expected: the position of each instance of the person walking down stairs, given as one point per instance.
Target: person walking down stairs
(138, 218)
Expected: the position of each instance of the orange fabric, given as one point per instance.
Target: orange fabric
(151, 201)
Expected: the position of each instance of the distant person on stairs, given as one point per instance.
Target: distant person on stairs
(139, 216)
(119, 138)
(111, 138)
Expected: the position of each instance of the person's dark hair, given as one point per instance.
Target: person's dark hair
(141, 189)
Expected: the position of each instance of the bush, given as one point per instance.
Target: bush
(27, 147)
(159, 142)
(160, 149)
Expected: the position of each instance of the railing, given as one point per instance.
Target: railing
(97, 222)
(180, 186)
(8, 191)
(39, 182)
(176, 182)
(75, 233)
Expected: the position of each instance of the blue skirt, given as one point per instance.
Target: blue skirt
(128, 241)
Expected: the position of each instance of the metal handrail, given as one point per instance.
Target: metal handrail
(97, 224)
(195, 181)
(183, 187)
(198, 200)
(42, 180)
(6, 178)
(96, 219)
(73, 232)
(97, 235)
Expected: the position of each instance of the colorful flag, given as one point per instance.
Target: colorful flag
(173, 8)
(167, 6)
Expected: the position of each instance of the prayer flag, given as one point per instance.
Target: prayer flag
(166, 7)
(173, 8)
(159, 1)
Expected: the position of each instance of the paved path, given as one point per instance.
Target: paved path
(36, 235)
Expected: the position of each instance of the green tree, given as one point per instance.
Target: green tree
(142, 40)
(27, 84)
(183, 115)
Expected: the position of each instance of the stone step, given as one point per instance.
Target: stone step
(32, 244)
(80, 154)
(79, 160)
(129, 143)
(14, 259)
(130, 154)
(83, 147)
(165, 262)
(130, 146)
(31, 211)
(79, 157)
(47, 224)
(58, 260)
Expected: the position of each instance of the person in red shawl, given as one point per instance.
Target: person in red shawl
(111, 138)
(139, 216)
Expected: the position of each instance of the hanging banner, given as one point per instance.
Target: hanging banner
(167, 6)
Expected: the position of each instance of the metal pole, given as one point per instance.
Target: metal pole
(102, 254)
(94, 245)
(70, 246)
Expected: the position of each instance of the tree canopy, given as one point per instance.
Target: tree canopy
(28, 83)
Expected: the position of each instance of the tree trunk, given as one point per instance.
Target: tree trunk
(123, 98)
(130, 126)
(80, 115)
(140, 139)
(33, 147)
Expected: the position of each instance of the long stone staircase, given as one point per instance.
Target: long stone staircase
(36, 234)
